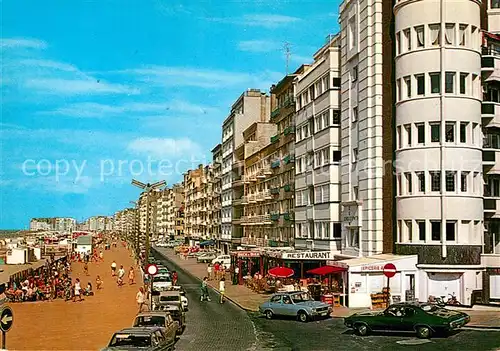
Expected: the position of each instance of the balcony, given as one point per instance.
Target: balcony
(267, 170)
(275, 191)
(490, 205)
(275, 138)
(261, 174)
(275, 217)
(288, 159)
(238, 164)
(287, 216)
(489, 59)
(275, 164)
(289, 130)
(275, 113)
(489, 158)
(237, 182)
(288, 187)
(490, 114)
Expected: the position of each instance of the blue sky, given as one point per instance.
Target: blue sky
(97, 92)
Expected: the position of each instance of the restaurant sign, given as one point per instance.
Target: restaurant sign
(308, 255)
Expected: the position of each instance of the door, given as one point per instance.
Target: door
(445, 284)
(277, 305)
(409, 318)
(391, 320)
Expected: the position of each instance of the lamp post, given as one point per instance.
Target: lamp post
(147, 188)
(135, 236)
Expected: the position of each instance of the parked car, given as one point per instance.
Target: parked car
(177, 312)
(295, 304)
(206, 257)
(143, 338)
(162, 282)
(224, 259)
(157, 319)
(171, 297)
(423, 318)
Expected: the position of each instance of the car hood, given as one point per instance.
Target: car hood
(447, 314)
(313, 304)
(367, 314)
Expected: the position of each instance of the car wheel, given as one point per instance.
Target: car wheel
(361, 329)
(424, 332)
(303, 317)
(269, 314)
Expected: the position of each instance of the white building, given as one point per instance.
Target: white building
(317, 152)
(252, 106)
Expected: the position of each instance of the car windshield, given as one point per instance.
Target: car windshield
(162, 278)
(149, 321)
(297, 298)
(169, 298)
(430, 308)
(163, 271)
(131, 340)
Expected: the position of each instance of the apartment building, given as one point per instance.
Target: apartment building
(170, 201)
(252, 106)
(125, 223)
(317, 151)
(490, 116)
(215, 206)
(195, 197)
(60, 224)
(252, 199)
(42, 224)
(149, 215)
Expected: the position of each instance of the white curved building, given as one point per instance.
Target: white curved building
(438, 141)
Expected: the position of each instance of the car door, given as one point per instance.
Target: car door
(390, 320)
(410, 317)
(170, 328)
(289, 309)
(276, 305)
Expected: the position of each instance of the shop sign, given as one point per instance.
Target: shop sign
(337, 264)
(308, 255)
(247, 253)
(351, 215)
(373, 267)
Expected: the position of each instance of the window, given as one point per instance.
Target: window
(463, 132)
(450, 34)
(495, 4)
(398, 43)
(420, 84)
(474, 127)
(435, 82)
(400, 137)
(435, 132)
(462, 30)
(354, 155)
(354, 73)
(407, 81)
(319, 121)
(449, 84)
(398, 179)
(463, 181)
(326, 118)
(398, 90)
(450, 230)
(420, 133)
(435, 180)
(474, 85)
(435, 33)
(336, 117)
(337, 230)
(463, 83)
(419, 31)
(421, 230)
(409, 230)
(409, 184)
(450, 132)
(336, 82)
(337, 156)
(407, 35)
(326, 82)
(436, 230)
(408, 134)
(354, 114)
(322, 194)
(450, 180)
(355, 193)
(421, 181)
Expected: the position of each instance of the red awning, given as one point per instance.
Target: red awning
(325, 270)
(281, 272)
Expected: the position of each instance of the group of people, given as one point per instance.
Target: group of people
(216, 271)
(120, 275)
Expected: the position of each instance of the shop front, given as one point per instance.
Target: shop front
(246, 264)
(367, 284)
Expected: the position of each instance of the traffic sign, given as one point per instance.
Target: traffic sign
(389, 270)
(152, 269)
(6, 319)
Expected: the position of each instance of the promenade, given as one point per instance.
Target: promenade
(86, 325)
(249, 300)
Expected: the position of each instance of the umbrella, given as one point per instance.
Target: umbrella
(326, 270)
(281, 272)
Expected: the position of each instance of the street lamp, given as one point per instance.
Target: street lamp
(148, 188)
(134, 238)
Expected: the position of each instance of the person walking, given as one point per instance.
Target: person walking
(209, 271)
(86, 268)
(216, 270)
(222, 289)
(131, 276)
(77, 290)
(175, 278)
(141, 299)
(204, 290)
(113, 269)
(121, 275)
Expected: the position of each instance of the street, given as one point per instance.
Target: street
(227, 327)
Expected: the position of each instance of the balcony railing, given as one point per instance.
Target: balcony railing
(275, 164)
(287, 187)
(275, 191)
(275, 138)
(491, 141)
(275, 112)
(288, 159)
(289, 130)
(275, 216)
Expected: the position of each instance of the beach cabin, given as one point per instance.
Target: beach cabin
(84, 244)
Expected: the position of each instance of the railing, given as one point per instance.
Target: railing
(491, 141)
(275, 164)
(275, 191)
(288, 159)
(489, 51)
(289, 130)
(275, 112)
(275, 216)
(275, 138)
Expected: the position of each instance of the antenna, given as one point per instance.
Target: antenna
(288, 53)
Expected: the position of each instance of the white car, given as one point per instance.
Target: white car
(162, 282)
(224, 259)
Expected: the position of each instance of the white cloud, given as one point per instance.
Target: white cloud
(259, 20)
(165, 147)
(77, 86)
(22, 43)
(258, 46)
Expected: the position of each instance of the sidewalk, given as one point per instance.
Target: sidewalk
(238, 294)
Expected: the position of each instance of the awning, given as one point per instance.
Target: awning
(207, 243)
(325, 270)
(281, 272)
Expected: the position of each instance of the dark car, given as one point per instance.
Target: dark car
(141, 338)
(158, 319)
(422, 318)
(177, 313)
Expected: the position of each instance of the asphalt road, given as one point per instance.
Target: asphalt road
(211, 326)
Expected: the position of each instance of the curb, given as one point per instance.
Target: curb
(232, 300)
(481, 327)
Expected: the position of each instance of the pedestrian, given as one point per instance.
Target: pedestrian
(236, 278)
(216, 270)
(140, 298)
(98, 283)
(121, 274)
(113, 269)
(222, 289)
(209, 271)
(86, 268)
(204, 290)
(131, 276)
(101, 256)
(175, 277)
(77, 290)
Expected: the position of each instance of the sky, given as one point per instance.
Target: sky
(95, 93)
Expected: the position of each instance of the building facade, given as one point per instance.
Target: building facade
(60, 224)
(195, 197)
(215, 206)
(317, 152)
(252, 106)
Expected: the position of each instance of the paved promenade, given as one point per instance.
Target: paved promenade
(86, 325)
(250, 300)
